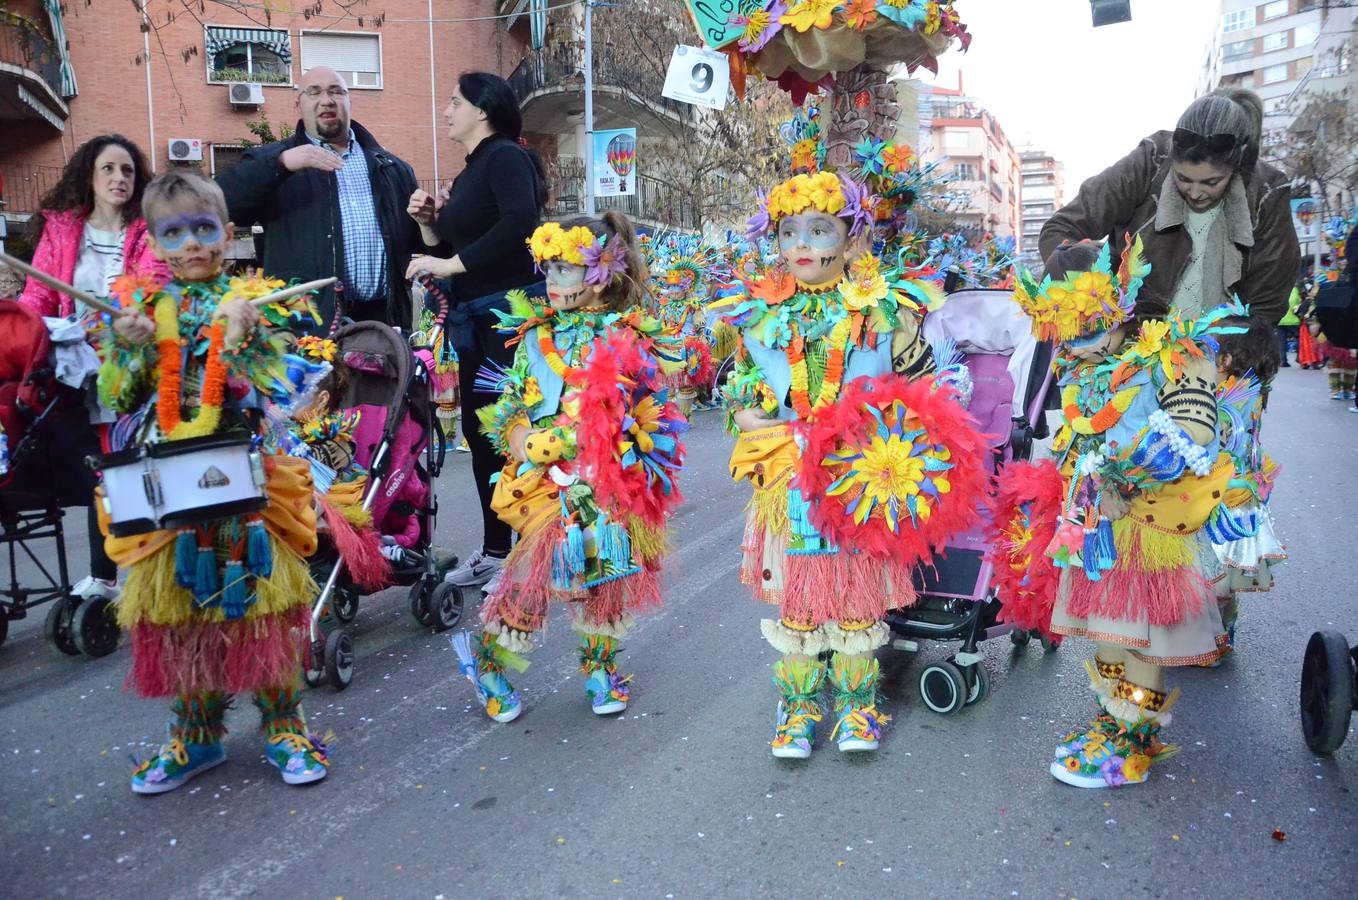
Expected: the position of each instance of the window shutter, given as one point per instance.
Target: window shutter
(341, 52)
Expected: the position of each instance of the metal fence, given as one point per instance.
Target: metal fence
(22, 186)
(23, 44)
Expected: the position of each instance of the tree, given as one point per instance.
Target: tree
(1320, 146)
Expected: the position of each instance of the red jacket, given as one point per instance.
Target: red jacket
(59, 248)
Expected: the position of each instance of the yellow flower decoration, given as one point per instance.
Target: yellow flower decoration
(863, 285)
(1150, 341)
(551, 241)
(1137, 767)
(252, 285)
(810, 14)
(317, 347)
(802, 192)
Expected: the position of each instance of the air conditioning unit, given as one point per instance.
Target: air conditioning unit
(246, 94)
(186, 150)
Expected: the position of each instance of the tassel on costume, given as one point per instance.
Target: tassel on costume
(185, 557)
(206, 581)
(598, 651)
(799, 683)
(280, 711)
(235, 590)
(200, 718)
(258, 550)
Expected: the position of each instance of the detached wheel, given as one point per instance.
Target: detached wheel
(315, 664)
(419, 606)
(943, 688)
(57, 625)
(1020, 638)
(344, 603)
(339, 659)
(1326, 691)
(978, 683)
(94, 627)
(444, 609)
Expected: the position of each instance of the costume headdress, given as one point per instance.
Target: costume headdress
(670, 256)
(1084, 303)
(601, 256)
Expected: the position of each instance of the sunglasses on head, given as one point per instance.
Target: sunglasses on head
(1212, 143)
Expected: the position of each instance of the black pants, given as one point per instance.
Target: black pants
(65, 441)
(486, 460)
(1285, 334)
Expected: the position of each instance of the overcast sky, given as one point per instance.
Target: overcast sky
(1085, 94)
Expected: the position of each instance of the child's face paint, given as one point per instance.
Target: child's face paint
(813, 245)
(193, 242)
(1097, 346)
(566, 288)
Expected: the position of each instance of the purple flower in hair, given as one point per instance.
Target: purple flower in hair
(858, 205)
(759, 224)
(602, 262)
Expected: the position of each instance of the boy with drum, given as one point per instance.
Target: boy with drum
(218, 607)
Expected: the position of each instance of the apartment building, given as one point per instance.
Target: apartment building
(1043, 186)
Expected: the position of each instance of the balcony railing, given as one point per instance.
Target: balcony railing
(24, 44)
(561, 63)
(22, 187)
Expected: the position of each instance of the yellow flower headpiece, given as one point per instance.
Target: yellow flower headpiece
(1085, 303)
(318, 348)
(551, 241)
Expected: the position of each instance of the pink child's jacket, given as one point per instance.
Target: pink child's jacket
(59, 248)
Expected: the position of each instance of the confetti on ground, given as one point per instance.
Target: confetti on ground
(1279, 835)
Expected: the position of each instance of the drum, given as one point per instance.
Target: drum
(176, 484)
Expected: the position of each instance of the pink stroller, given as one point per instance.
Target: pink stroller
(1011, 377)
(391, 387)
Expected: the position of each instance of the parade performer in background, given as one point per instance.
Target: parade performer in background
(685, 269)
(1241, 527)
(858, 472)
(592, 448)
(1138, 455)
(218, 609)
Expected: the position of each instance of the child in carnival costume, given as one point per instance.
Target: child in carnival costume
(1241, 527)
(591, 442)
(217, 609)
(854, 467)
(684, 269)
(1138, 456)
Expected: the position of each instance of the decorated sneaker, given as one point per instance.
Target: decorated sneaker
(1108, 754)
(859, 729)
(607, 692)
(795, 733)
(483, 665)
(498, 696)
(177, 763)
(299, 758)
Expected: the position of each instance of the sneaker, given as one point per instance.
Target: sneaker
(300, 759)
(177, 763)
(462, 447)
(859, 730)
(794, 734)
(91, 588)
(498, 696)
(475, 569)
(607, 692)
(1106, 755)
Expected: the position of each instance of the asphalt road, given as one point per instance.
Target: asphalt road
(679, 797)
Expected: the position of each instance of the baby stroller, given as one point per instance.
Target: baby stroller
(44, 470)
(1010, 372)
(1329, 690)
(391, 388)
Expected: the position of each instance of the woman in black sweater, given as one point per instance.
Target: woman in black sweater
(485, 220)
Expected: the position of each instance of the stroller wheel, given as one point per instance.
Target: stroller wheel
(943, 688)
(418, 607)
(94, 627)
(978, 683)
(1326, 691)
(57, 625)
(445, 606)
(1020, 638)
(344, 603)
(339, 659)
(315, 664)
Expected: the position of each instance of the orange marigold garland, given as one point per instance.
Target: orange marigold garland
(171, 371)
(1024, 513)
(895, 468)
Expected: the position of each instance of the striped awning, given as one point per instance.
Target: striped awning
(218, 39)
(68, 86)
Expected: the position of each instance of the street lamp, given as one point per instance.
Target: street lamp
(1111, 12)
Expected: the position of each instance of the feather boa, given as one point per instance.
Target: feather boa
(896, 468)
(1023, 516)
(627, 432)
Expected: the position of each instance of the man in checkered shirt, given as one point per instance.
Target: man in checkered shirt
(332, 202)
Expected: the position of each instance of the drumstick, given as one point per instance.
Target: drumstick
(57, 284)
(293, 291)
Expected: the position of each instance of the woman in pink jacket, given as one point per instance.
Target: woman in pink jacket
(90, 232)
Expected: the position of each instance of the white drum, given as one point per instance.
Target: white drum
(180, 483)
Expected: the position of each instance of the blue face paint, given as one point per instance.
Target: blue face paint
(174, 232)
(817, 232)
(1087, 341)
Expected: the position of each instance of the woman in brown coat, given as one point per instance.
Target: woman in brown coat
(1213, 219)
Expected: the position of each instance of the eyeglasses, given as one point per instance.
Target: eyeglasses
(1212, 143)
(333, 91)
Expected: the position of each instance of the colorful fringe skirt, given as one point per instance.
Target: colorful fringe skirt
(181, 646)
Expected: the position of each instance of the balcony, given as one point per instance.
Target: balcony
(30, 73)
(22, 187)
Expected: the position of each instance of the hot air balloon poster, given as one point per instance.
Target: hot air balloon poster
(615, 162)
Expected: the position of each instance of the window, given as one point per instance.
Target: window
(1275, 41)
(1274, 106)
(1237, 50)
(955, 139)
(225, 157)
(356, 56)
(1274, 74)
(1305, 35)
(263, 55)
(1275, 9)
(964, 172)
(1237, 20)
